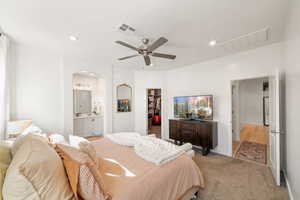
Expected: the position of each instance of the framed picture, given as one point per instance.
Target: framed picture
(124, 105)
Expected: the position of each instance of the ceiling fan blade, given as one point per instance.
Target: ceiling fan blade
(157, 44)
(128, 57)
(127, 45)
(162, 55)
(147, 60)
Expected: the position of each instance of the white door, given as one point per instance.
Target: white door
(275, 125)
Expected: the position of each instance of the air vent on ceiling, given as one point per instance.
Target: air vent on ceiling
(246, 41)
(125, 27)
(130, 31)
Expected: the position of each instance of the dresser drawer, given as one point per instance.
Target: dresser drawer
(188, 126)
(199, 133)
(188, 136)
(174, 130)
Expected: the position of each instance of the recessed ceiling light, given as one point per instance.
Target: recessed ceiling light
(212, 43)
(151, 64)
(73, 38)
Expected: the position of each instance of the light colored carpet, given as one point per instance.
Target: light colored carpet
(232, 179)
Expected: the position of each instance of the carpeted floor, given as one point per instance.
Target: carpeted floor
(232, 179)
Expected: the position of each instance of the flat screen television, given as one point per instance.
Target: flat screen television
(194, 107)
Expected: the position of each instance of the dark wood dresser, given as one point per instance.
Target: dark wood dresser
(197, 132)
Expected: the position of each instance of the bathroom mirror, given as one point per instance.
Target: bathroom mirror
(82, 101)
(124, 95)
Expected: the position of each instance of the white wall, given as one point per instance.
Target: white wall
(214, 77)
(145, 80)
(123, 121)
(251, 102)
(292, 89)
(35, 87)
(41, 88)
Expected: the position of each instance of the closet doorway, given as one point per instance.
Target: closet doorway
(154, 111)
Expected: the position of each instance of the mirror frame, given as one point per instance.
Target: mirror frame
(117, 97)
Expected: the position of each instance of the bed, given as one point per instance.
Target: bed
(46, 173)
(129, 177)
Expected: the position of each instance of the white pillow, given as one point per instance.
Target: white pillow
(56, 138)
(14, 128)
(31, 129)
(75, 140)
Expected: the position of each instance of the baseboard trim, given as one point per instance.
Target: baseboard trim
(288, 186)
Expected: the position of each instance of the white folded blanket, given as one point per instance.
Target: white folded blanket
(159, 151)
(150, 148)
(186, 147)
(125, 138)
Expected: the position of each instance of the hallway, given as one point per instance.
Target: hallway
(253, 144)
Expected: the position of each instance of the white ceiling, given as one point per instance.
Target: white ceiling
(188, 24)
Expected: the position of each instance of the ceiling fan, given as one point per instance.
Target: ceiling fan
(146, 50)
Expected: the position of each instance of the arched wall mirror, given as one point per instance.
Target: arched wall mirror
(124, 97)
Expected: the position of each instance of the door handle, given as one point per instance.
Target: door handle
(277, 132)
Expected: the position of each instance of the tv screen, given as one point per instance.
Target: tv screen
(194, 107)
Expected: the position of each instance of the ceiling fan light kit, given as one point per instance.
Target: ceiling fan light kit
(146, 50)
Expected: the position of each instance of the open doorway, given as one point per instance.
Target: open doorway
(250, 120)
(154, 112)
(88, 104)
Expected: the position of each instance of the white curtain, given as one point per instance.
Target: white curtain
(4, 43)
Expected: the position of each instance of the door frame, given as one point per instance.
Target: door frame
(276, 132)
(235, 85)
(161, 110)
(276, 73)
(230, 135)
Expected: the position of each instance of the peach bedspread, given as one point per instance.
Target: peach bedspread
(129, 177)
